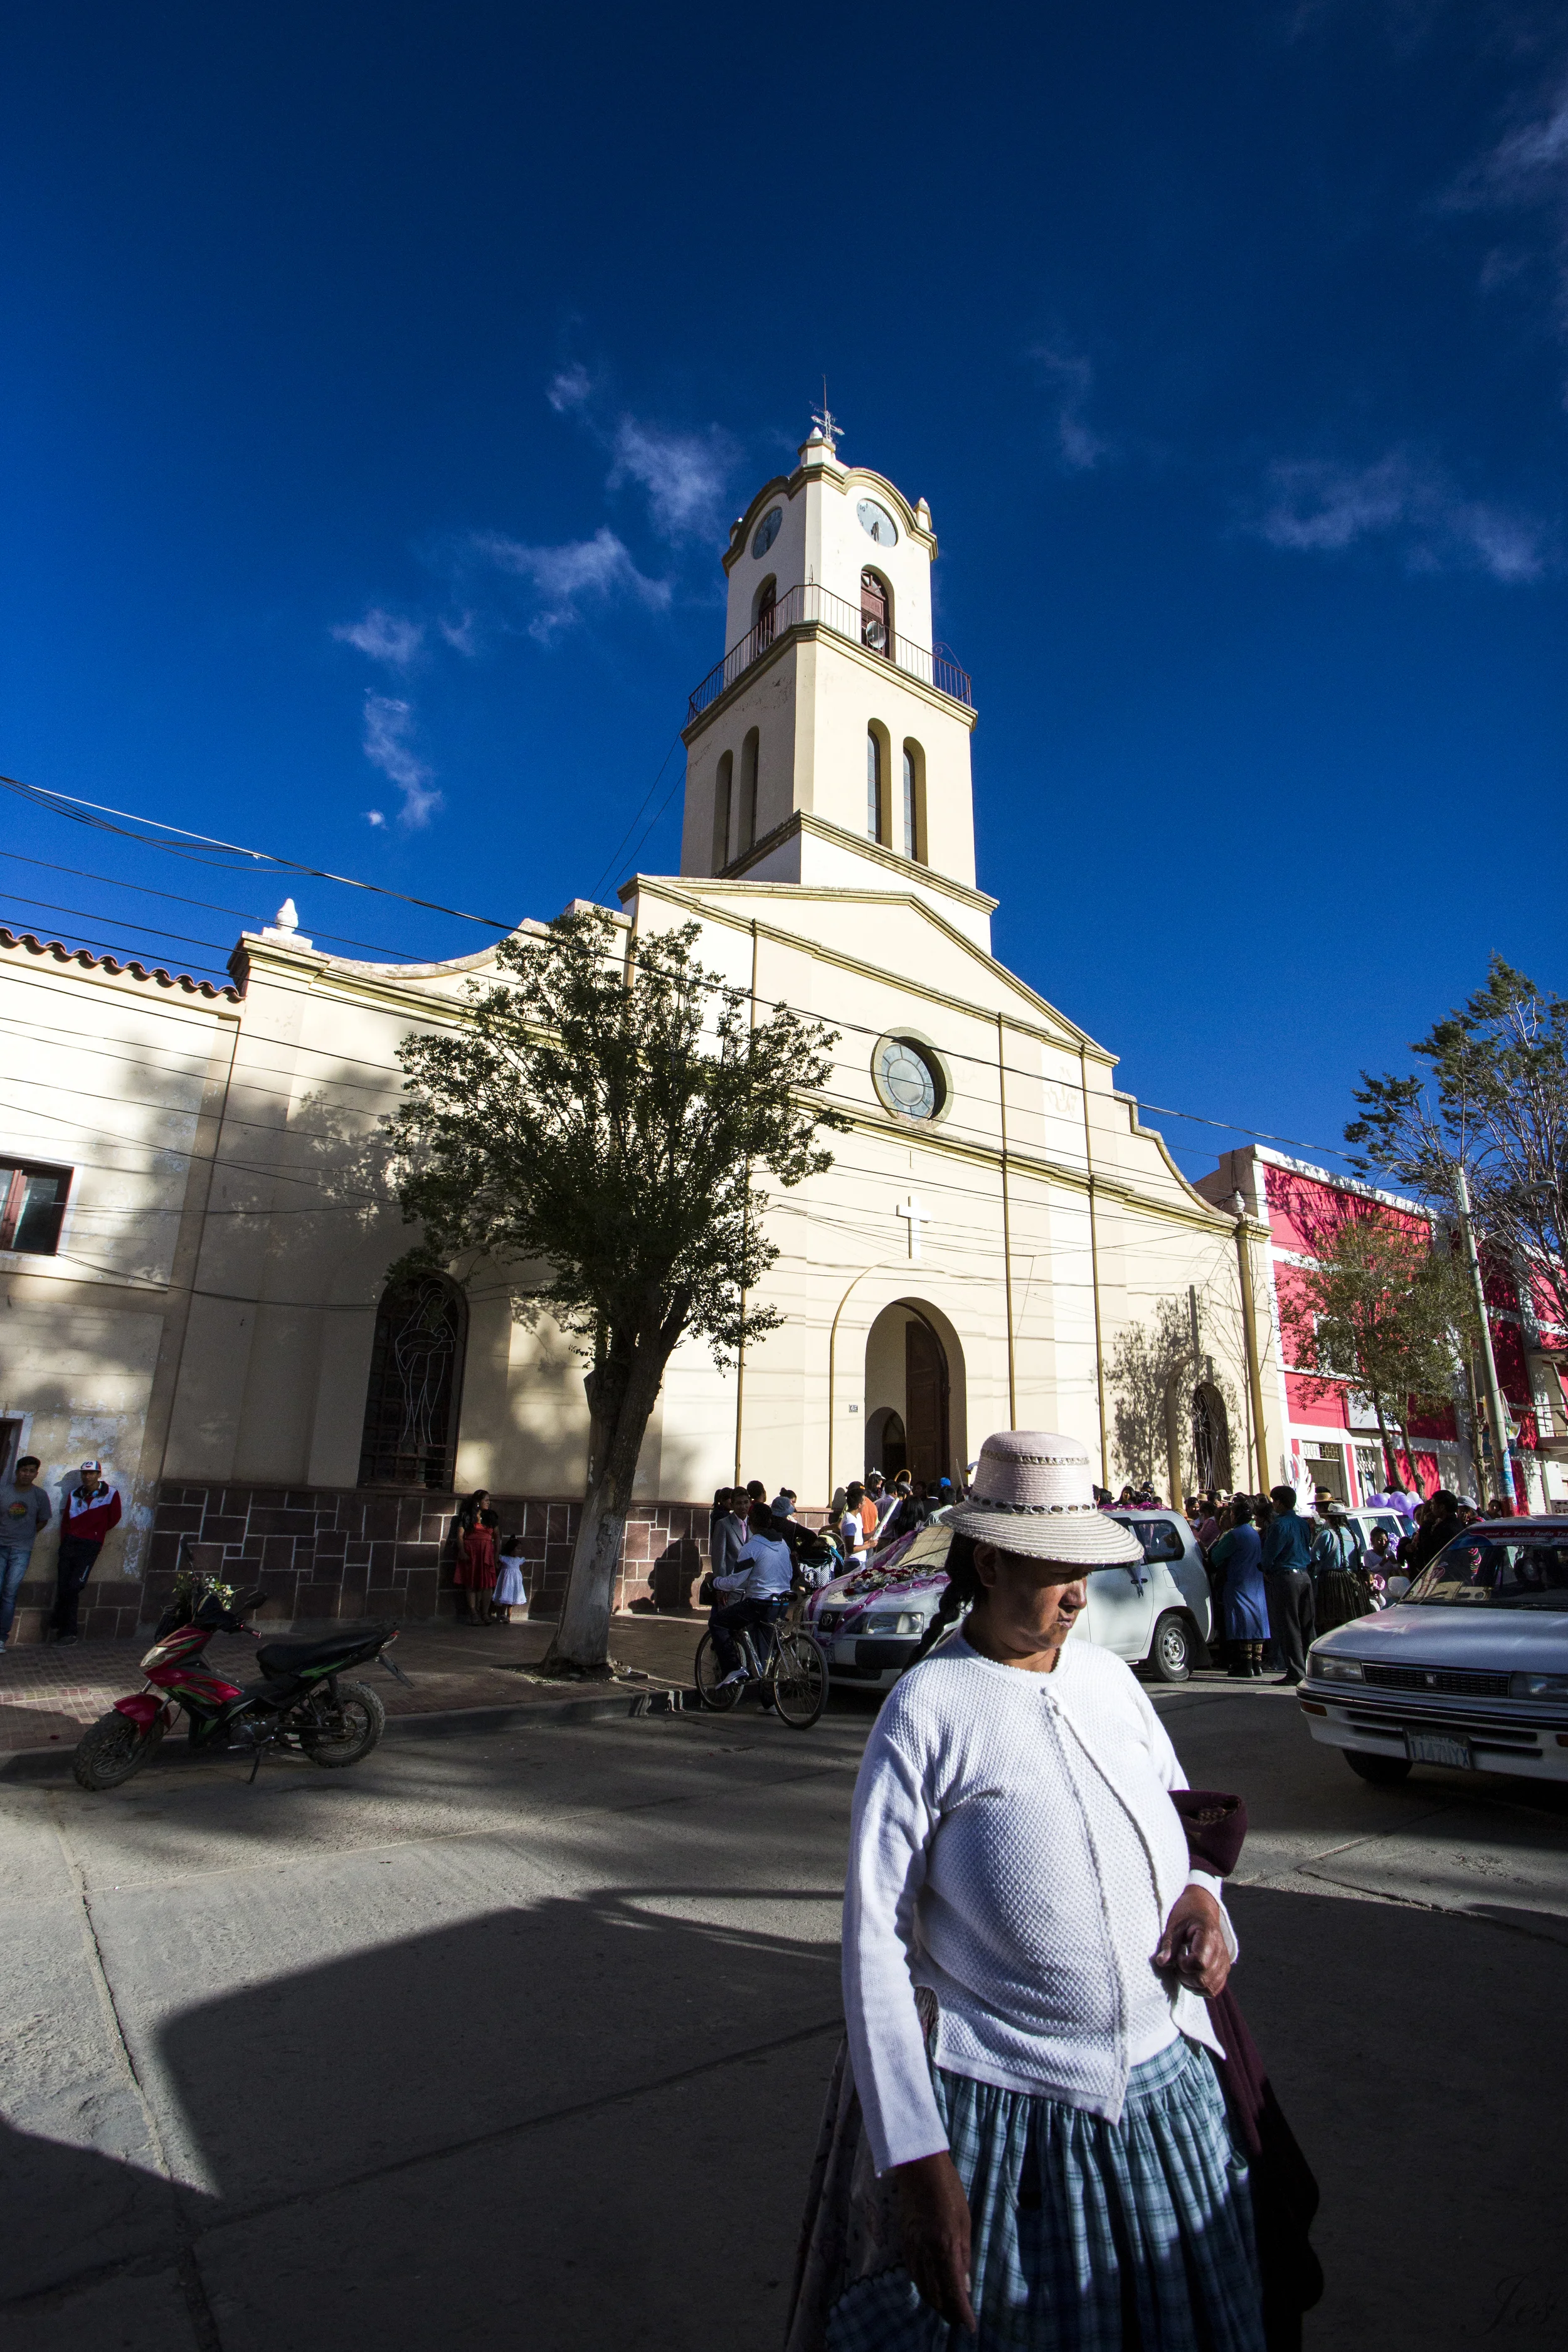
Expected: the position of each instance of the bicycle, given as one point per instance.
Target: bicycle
(791, 1670)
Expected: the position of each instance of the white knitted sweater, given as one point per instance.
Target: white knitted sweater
(1014, 1850)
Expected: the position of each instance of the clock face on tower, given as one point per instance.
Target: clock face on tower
(877, 522)
(767, 531)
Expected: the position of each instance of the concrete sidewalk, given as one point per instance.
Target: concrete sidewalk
(47, 1694)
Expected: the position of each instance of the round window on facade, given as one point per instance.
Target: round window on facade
(908, 1078)
(878, 523)
(767, 531)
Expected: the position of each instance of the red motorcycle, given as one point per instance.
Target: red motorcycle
(305, 1705)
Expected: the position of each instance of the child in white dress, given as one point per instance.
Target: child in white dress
(509, 1592)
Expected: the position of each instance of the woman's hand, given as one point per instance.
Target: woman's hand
(934, 2230)
(1193, 1946)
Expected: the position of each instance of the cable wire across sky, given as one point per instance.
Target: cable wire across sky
(97, 816)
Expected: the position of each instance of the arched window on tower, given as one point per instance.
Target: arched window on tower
(912, 804)
(873, 785)
(723, 784)
(766, 613)
(876, 620)
(415, 1385)
(748, 750)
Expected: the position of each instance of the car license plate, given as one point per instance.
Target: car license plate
(1435, 1747)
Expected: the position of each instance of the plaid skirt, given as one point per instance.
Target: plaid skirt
(1086, 2236)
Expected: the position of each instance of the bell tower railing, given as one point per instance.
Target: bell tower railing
(809, 603)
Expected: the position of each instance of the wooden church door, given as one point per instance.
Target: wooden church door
(925, 1402)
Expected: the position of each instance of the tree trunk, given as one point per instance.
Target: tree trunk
(582, 1636)
(1395, 1480)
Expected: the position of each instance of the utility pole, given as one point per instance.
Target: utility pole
(1497, 1412)
(1249, 1328)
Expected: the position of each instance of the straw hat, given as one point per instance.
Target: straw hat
(1034, 1494)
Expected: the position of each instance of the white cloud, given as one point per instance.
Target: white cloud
(1526, 165)
(461, 634)
(563, 579)
(387, 637)
(1526, 170)
(1069, 377)
(571, 389)
(374, 816)
(1317, 505)
(388, 722)
(684, 475)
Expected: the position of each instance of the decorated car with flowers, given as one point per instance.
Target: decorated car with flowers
(1157, 1612)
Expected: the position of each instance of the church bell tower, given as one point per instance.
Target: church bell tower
(831, 745)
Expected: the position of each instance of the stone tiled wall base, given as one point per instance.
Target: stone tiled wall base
(110, 1608)
(322, 1553)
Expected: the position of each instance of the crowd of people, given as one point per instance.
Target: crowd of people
(1280, 1578)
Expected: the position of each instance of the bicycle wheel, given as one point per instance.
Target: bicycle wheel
(799, 1680)
(707, 1671)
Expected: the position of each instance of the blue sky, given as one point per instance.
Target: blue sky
(377, 386)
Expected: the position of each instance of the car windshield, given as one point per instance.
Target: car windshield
(1158, 1537)
(1497, 1571)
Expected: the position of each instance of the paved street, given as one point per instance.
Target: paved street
(520, 2037)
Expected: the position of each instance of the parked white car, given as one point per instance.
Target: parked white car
(1361, 1523)
(1156, 1613)
(1469, 1670)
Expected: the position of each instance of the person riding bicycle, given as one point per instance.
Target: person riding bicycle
(756, 1592)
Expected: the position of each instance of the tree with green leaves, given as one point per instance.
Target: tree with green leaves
(601, 1115)
(1492, 1101)
(1377, 1305)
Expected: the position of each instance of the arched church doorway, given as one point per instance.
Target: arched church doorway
(887, 1446)
(909, 1395)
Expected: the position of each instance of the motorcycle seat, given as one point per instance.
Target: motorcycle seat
(292, 1657)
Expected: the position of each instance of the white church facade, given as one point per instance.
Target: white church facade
(996, 1220)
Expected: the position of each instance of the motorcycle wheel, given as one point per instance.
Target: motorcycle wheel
(111, 1750)
(352, 1729)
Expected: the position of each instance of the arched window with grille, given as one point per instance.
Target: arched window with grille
(415, 1385)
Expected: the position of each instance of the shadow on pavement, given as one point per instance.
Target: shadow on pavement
(581, 2119)
(585, 2124)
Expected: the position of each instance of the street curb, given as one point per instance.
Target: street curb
(53, 1763)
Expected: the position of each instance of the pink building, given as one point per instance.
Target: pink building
(1322, 1432)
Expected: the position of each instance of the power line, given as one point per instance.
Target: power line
(175, 898)
(92, 814)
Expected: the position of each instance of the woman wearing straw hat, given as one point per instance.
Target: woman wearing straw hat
(1031, 2150)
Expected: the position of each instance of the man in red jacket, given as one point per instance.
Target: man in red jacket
(92, 1508)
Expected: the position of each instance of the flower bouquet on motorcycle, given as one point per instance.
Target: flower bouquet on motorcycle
(305, 1703)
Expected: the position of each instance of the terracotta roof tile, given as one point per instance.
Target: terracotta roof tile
(112, 964)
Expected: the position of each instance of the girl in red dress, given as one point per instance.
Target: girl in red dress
(475, 1574)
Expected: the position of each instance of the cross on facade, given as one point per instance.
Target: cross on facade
(914, 1208)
